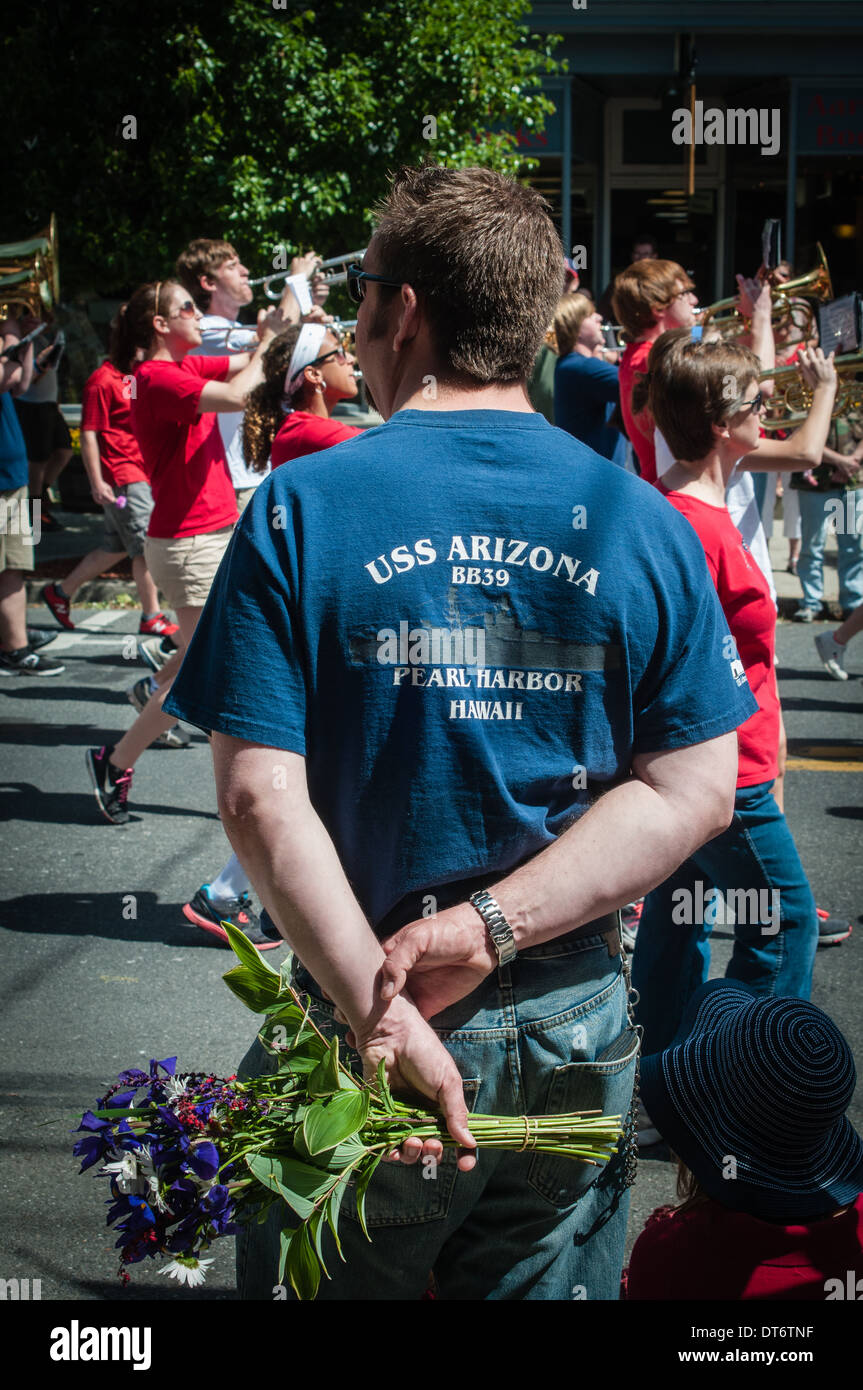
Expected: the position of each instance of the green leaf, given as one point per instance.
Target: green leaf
(285, 1236)
(362, 1187)
(324, 1080)
(329, 1122)
(296, 1183)
(302, 1266)
(332, 1207)
(335, 1159)
(255, 993)
(250, 956)
(317, 1226)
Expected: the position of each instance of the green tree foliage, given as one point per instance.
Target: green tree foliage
(263, 121)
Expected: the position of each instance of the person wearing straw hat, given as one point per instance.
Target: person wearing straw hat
(751, 1097)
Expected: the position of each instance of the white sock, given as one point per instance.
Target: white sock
(231, 882)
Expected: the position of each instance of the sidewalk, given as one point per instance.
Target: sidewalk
(58, 553)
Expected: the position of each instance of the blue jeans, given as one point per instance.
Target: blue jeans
(814, 519)
(672, 953)
(545, 1035)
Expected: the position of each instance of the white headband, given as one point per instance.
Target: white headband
(305, 351)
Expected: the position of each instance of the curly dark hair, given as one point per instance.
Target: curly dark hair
(264, 411)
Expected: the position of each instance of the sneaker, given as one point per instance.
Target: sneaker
(48, 520)
(832, 654)
(630, 916)
(58, 604)
(239, 912)
(175, 737)
(804, 614)
(832, 930)
(648, 1134)
(37, 637)
(25, 662)
(157, 626)
(155, 651)
(110, 784)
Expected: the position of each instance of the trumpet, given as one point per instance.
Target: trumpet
(336, 277)
(617, 332)
(792, 401)
(788, 308)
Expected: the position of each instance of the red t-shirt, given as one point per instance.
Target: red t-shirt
(105, 407)
(633, 364)
(183, 451)
(305, 433)
(749, 611)
(710, 1252)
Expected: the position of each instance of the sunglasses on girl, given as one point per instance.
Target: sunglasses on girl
(340, 354)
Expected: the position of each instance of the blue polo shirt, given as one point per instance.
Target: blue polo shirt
(468, 623)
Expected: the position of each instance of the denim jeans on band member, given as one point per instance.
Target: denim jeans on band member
(672, 957)
(815, 514)
(547, 1034)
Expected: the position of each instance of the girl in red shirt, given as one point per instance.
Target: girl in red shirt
(174, 402)
(307, 372)
(706, 401)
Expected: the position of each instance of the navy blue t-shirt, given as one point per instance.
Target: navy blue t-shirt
(13, 450)
(585, 394)
(468, 623)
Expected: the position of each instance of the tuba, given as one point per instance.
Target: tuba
(30, 274)
(789, 406)
(788, 309)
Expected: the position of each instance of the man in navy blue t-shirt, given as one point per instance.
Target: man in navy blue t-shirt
(470, 690)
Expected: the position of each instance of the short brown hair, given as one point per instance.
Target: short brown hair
(643, 287)
(202, 257)
(571, 311)
(693, 386)
(484, 257)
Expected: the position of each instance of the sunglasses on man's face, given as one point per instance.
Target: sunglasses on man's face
(357, 278)
(755, 404)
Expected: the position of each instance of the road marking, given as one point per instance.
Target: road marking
(68, 642)
(105, 618)
(826, 757)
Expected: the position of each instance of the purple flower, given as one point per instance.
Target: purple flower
(203, 1159)
(218, 1208)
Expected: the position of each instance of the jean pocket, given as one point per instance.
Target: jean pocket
(401, 1194)
(604, 1084)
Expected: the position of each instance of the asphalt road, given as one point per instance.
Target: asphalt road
(101, 971)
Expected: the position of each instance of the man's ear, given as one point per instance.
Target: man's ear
(410, 318)
(207, 283)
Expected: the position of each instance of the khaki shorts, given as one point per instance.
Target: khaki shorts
(183, 569)
(16, 534)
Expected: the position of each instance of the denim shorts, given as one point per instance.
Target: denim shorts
(545, 1035)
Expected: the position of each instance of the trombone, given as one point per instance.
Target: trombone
(786, 310)
(336, 277)
(30, 275)
(789, 406)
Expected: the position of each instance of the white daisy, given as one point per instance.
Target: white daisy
(187, 1269)
(125, 1170)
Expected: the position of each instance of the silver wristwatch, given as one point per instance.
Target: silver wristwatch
(498, 927)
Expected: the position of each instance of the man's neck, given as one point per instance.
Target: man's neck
(510, 395)
(582, 350)
(223, 306)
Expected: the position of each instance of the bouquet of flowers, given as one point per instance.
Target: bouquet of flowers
(190, 1156)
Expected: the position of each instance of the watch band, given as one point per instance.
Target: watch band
(498, 927)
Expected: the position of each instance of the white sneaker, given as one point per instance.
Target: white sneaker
(648, 1134)
(832, 654)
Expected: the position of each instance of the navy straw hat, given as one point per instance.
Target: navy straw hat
(752, 1096)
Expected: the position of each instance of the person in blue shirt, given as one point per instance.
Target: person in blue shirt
(586, 393)
(469, 691)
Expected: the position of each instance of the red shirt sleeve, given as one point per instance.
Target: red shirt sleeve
(96, 405)
(175, 388)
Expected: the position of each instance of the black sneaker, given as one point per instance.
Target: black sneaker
(239, 912)
(832, 930)
(37, 637)
(175, 737)
(25, 662)
(110, 784)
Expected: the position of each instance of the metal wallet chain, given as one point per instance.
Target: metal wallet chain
(629, 1146)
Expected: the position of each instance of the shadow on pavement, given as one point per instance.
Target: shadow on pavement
(29, 803)
(101, 915)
